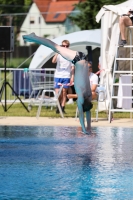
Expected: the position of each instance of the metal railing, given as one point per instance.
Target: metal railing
(20, 82)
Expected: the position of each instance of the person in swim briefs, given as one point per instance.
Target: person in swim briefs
(81, 81)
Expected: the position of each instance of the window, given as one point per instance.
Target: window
(56, 15)
(39, 20)
(32, 20)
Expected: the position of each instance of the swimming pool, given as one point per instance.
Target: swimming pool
(61, 163)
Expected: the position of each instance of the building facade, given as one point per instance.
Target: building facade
(49, 19)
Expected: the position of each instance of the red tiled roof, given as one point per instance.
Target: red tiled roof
(57, 10)
(51, 8)
(43, 5)
(68, 0)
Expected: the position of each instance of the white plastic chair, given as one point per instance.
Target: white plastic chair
(50, 101)
(39, 81)
(101, 92)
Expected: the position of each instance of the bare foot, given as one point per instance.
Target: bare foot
(28, 37)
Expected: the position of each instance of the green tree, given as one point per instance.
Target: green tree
(14, 6)
(88, 10)
(8, 8)
(9, 16)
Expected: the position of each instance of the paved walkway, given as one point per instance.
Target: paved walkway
(45, 121)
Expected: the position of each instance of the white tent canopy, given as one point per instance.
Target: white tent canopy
(109, 16)
(78, 40)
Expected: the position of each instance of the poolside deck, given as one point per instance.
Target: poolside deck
(46, 121)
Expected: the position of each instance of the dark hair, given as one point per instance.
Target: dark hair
(87, 105)
(66, 41)
(90, 62)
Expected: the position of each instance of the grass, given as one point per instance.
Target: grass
(15, 62)
(17, 110)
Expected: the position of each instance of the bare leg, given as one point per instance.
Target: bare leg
(72, 96)
(70, 99)
(94, 96)
(67, 53)
(124, 21)
(69, 90)
(64, 97)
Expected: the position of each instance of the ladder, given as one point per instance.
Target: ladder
(121, 73)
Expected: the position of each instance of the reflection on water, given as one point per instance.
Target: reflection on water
(63, 163)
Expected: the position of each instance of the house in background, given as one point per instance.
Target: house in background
(49, 18)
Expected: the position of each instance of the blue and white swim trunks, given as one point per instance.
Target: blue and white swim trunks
(59, 81)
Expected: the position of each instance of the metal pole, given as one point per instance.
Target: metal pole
(5, 107)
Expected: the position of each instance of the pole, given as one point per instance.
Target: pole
(5, 107)
(3, 89)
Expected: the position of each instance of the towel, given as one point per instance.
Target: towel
(124, 91)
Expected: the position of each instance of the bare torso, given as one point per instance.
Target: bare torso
(81, 80)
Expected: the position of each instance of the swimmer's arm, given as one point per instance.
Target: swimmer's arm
(80, 101)
(88, 119)
(54, 60)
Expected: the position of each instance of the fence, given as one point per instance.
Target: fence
(20, 82)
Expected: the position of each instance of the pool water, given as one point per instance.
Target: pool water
(61, 163)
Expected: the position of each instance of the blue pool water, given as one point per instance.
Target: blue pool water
(61, 163)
